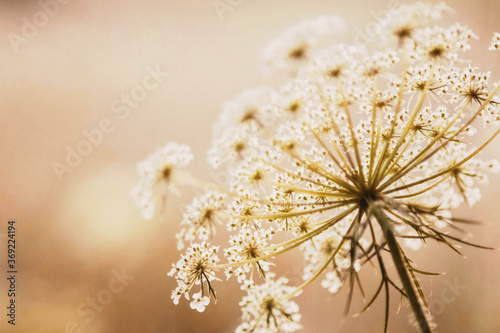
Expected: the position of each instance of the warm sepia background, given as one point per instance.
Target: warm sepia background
(73, 233)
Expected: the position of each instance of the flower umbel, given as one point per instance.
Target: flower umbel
(267, 310)
(195, 268)
(360, 158)
(158, 174)
(495, 42)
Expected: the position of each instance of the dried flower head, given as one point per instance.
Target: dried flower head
(360, 157)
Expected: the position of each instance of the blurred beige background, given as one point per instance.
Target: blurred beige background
(72, 234)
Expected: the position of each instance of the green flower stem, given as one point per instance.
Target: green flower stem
(402, 268)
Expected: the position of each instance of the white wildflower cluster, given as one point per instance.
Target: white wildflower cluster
(158, 174)
(247, 245)
(247, 204)
(365, 152)
(409, 18)
(495, 42)
(200, 217)
(295, 44)
(461, 185)
(266, 308)
(194, 268)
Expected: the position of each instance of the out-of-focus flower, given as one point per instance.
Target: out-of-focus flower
(294, 45)
(158, 174)
(495, 42)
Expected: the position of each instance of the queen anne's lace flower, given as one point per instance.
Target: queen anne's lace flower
(158, 173)
(200, 217)
(248, 109)
(294, 45)
(234, 145)
(470, 85)
(360, 157)
(195, 268)
(266, 309)
(408, 18)
(495, 42)
(247, 245)
(442, 43)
